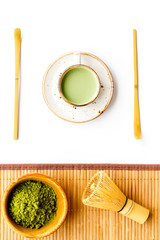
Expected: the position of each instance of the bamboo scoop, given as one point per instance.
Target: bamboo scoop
(137, 127)
(102, 192)
(17, 37)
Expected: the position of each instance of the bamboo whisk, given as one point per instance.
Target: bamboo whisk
(102, 192)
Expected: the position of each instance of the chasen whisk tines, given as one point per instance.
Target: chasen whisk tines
(102, 192)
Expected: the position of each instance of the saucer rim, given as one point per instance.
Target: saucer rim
(110, 78)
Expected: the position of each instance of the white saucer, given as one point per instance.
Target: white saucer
(66, 111)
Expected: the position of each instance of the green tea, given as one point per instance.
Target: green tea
(32, 204)
(79, 85)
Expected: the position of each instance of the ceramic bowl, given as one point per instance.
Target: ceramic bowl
(62, 207)
(83, 66)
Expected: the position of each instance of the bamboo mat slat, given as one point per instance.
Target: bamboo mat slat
(142, 184)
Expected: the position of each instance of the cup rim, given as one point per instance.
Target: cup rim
(60, 81)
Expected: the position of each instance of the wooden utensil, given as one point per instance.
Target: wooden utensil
(62, 207)
(137, 126)
(17, 37)
(102, 192)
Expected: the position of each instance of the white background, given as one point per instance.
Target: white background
(52, 28)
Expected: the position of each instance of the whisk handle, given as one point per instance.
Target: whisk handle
(135, 211)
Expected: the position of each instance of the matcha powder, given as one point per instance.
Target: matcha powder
(32, 204)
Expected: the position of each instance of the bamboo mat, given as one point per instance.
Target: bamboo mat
(139, 182)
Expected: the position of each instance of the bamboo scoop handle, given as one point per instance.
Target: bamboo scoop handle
(17, 37)
(137, 127)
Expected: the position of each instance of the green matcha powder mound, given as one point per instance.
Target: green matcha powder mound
(32, 204)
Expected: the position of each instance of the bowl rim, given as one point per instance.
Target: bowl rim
(16, 183)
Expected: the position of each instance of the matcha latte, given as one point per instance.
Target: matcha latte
(79, 85)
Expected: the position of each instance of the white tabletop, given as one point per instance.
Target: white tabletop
(104, 28)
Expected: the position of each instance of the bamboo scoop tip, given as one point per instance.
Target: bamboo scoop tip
(15, 137)
(137, 132)
(17, 32)
(137, 136)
